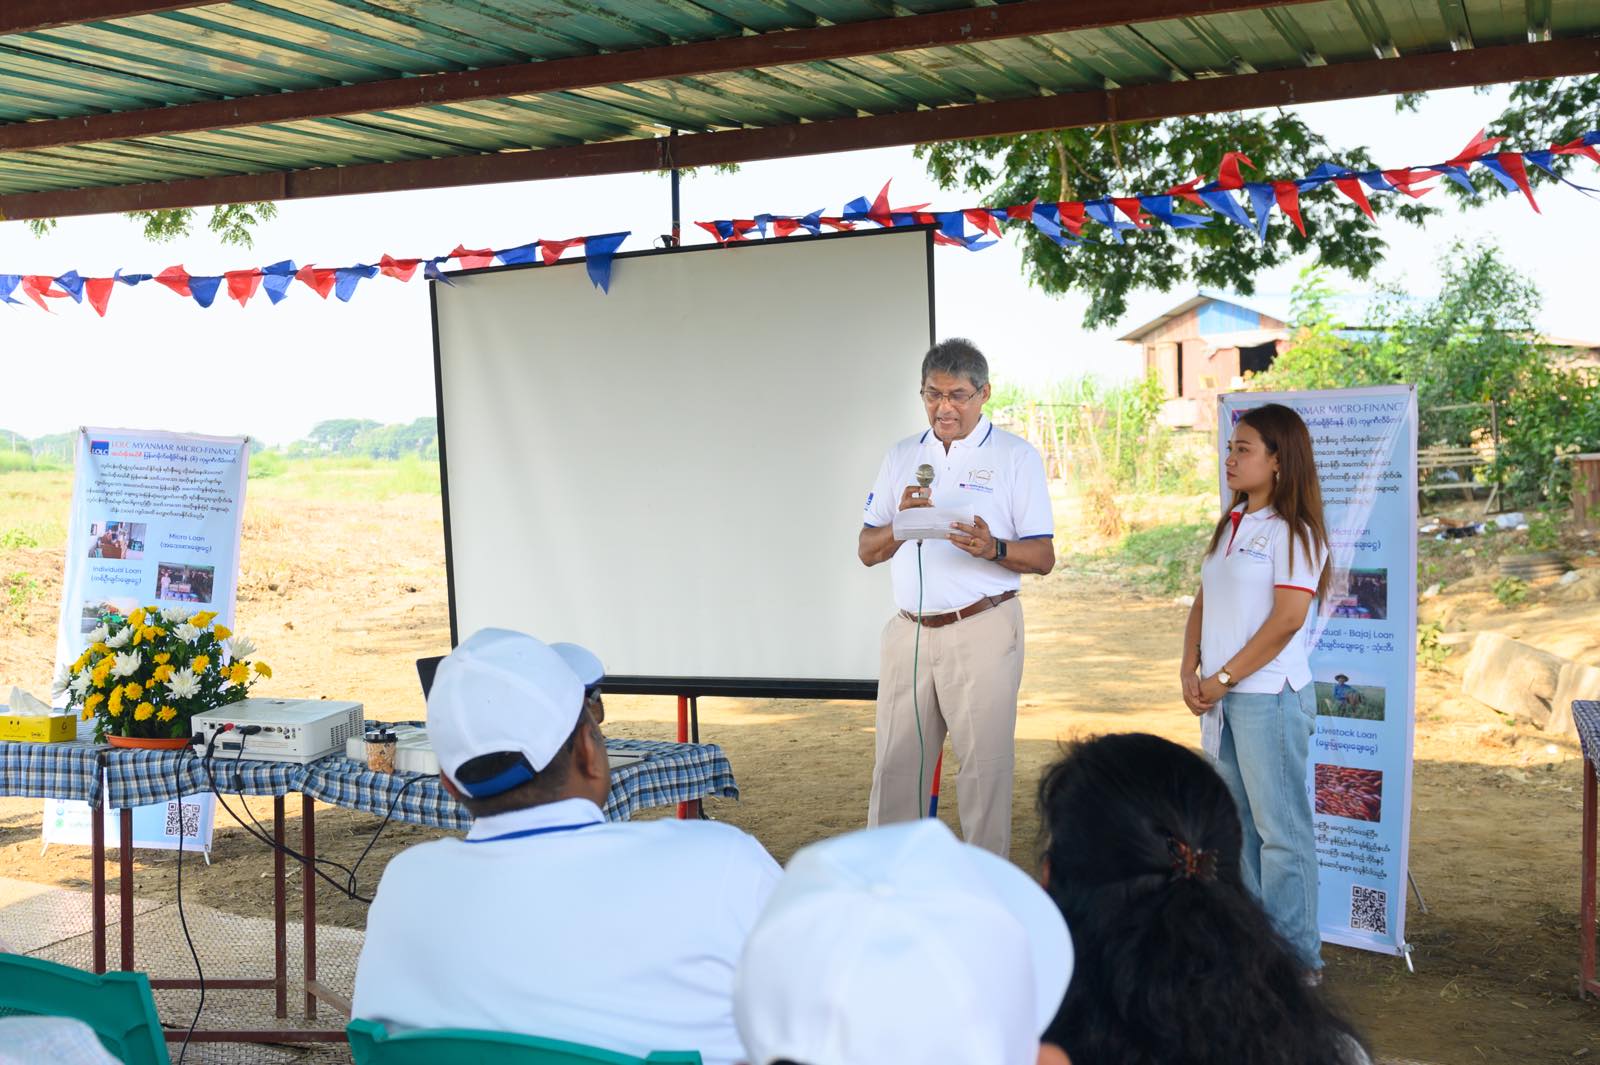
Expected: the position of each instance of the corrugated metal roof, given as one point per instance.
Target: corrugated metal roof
(255, 48)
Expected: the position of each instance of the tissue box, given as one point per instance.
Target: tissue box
(59, 728)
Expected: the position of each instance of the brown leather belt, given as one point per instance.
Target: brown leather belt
(936, 621)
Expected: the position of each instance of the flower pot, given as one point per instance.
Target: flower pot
(177, 743)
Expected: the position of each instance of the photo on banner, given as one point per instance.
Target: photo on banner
(156, 520)
(1363, 653)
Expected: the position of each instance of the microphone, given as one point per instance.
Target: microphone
(924, 476)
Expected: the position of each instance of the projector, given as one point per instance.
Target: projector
(292, 730)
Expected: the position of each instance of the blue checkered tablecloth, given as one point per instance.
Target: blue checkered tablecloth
(671, 773)
(1586, 716)
(50, 770)
(139, 778)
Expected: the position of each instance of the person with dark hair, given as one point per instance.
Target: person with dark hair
(547, 919)
(950, 659)
(1175, 961)
(902, 946)
(1246, 668)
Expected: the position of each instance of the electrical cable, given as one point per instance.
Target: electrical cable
(183, 921)
(916, 710)
(381, 826)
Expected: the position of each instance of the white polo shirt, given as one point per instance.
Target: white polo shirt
(552, 921)
(1240, 580)
(999, 475)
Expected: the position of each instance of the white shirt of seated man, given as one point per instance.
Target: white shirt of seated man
(546, 919)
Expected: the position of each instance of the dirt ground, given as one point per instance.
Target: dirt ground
(342, 595)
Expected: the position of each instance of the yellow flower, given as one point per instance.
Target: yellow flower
(152, 631)
(102, 670)
(239, 673)
(132, 690)
(204, 618)
(87, 713)
(93, 701)
(114, 704)
(143, 712)
(162, 673)
(137, 617)
(222, 632)
(264, 669)
(82, 661)
(100, 649)
(166, 713)
(199, 664)
(138, 635)
(163, 658)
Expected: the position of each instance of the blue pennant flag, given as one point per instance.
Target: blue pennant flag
(8, 285)
(1105, 212)
(1262, 199)
(1324, 173)
(1458, 174)
(1375, 180)
(1543, 160)
(72, 285)
(130, 279)
(1495, 167)
(431, 271)
(1222, 202)
(204, 289)
(1047, 220)
(276, 280)
(761, 221)
(812, 223)
(857, 208)
(522, 253)
(1162, 208)
(346, 278)
(599, 252)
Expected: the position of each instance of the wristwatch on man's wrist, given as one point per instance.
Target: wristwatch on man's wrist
(1226, 678)
(999, 551)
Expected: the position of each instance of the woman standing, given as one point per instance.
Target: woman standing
(1245, 660)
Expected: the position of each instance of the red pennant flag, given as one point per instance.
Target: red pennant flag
(242, 284)
(1577, 147)
(837, 223)
(940, 238)
(711, 227)
(1405, 180)
(473, 260)
(1512, 161)
(1479, 146)
(1228, 176)
(1072, 216)
(98, 289)
(1022, 211)
(551, 250)
(1130, 206)
(38, 285)
(1187, 192)
(784, 226)
(321, 281)
(983, 221)
(1287, 193)
(399, 269)
(176, 278)
(1351, 187)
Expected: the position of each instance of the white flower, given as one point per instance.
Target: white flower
(183, 684)
(62, 682)
(99, 634)
(187, 632)
(80, 683)
(126, 665)
(174, 615)
(121, 638)
(237, 647)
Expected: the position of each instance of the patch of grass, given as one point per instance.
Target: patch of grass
(356, 479)
(1175, 551)
(1511, 591)
(1430, 652)
(21, 589)
(34, 506)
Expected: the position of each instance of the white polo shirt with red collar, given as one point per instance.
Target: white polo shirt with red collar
(1240, 581)
(998, 474)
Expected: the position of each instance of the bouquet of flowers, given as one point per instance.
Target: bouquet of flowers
(147, 674)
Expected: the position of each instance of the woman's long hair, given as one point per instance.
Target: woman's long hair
(1296, 493)
(1176, 962)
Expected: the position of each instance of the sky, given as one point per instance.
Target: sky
(158, 361)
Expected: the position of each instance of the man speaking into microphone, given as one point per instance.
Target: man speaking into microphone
(959, 669)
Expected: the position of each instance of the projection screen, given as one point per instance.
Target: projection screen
(673, 474)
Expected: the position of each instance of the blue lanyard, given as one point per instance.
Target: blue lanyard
(536, 832)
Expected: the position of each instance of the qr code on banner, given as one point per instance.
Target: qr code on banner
(191, 819)
(1369, 910)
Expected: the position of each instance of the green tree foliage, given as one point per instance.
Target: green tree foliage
(335, 436)
(1473, 344)
(233, 223)
(1150, 157)
(350, 437)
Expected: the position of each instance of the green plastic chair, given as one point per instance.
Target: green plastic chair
(371, 1044)
(117, 1006)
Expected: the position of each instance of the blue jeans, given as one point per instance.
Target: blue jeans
(1263, 760)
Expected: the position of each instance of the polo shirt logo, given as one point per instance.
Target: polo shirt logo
(978, 481)
(869, 502)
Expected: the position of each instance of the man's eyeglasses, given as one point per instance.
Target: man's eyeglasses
(960, 397)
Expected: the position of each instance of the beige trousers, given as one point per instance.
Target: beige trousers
(967, 678)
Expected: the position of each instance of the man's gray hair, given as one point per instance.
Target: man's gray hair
(957, 357)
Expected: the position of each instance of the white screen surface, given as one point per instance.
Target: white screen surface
(674, 474)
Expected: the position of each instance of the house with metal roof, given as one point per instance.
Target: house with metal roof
(1203, 347)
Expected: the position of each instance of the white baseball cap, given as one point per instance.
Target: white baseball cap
(902, 944)
(581, 661)
(501, 691)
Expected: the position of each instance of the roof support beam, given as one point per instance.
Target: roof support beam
(873, 37)
(1376, 77)
(26, 16)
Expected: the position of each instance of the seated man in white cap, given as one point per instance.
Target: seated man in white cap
(547, 919)
(903, 945)
(586, 666)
